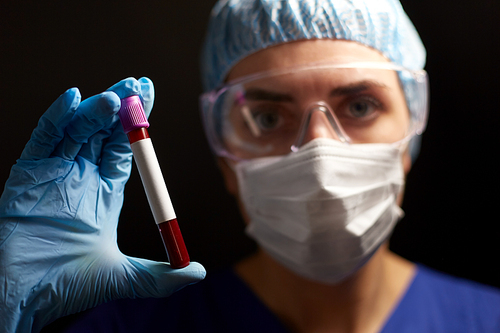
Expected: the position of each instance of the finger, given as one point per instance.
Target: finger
(147, 94)
(51, 126)
(93, 149)
(126, 87)
(142, 87)
(155, 279)
(115, 161)
(116, 158)
(94, 114)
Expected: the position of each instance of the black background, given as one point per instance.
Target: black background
(452, 210)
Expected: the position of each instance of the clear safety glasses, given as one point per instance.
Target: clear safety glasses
(274, 113)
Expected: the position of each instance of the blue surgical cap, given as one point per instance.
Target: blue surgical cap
(238, 28)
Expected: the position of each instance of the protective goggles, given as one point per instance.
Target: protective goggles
(273, 113)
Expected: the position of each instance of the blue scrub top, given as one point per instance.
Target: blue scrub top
(434, 302)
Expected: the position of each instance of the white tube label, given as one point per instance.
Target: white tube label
(152, 179)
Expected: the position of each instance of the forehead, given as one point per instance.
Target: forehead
(303, 52)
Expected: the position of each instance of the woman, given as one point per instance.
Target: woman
(312, 108)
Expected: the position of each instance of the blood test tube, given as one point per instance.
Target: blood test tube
(134, 123)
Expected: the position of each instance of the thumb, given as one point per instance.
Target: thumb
(157, 279)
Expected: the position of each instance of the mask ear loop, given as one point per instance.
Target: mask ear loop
(332, 119)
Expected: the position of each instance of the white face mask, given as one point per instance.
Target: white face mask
(323, 211)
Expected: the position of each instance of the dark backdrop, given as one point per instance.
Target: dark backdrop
(451, 202)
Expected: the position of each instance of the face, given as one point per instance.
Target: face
(369, 105)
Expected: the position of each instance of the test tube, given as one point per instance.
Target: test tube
(135, 124)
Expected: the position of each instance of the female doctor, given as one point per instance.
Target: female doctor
(312, 108)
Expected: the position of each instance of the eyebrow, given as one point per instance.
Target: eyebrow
(356, 88)
(257, 94)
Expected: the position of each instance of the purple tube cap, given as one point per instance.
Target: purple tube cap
(132, 114)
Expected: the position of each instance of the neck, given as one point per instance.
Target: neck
(360, 303)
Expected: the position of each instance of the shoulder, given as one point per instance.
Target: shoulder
(444, 286)
(437, 302)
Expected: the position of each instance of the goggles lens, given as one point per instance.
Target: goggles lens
(274, 113)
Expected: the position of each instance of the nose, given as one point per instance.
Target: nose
(320, 122)
(318, 127)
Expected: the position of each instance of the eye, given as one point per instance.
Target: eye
(267, 120)
(360, 109)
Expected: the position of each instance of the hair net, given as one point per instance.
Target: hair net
(238, 28)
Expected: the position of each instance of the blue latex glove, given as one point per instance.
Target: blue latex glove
(59, 215)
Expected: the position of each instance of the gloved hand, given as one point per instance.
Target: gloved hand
(59, 215)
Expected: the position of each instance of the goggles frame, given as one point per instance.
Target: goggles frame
(418, 107)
